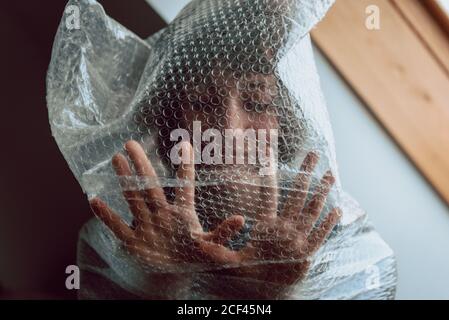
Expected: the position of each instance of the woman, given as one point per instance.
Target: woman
(220, 228)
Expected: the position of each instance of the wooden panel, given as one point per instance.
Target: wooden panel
(439, 11)
(397, 77)
(422, 21)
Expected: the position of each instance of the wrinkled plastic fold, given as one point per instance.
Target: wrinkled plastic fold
(287, 228)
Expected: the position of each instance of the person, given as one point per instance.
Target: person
(165, 233)
(188, 216)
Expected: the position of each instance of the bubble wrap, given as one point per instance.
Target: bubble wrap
(208, 158)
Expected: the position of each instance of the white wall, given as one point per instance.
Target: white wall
(404, 208)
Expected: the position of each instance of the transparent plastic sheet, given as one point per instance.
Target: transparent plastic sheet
(275, 225)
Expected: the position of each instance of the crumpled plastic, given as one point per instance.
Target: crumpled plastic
(221, 64)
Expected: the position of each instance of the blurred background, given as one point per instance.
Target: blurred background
(42, 207)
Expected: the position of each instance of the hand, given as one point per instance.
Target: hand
(163, 234)
(281, 244)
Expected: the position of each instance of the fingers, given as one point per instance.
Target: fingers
(311, 212)
(319, 235)
(226, 230)
(218, 253)
(112, 220)
(144, 168)
(185, 195)
(269, 192)
(297, 197)
(135, 199)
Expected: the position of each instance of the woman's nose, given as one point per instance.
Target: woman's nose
(238, 118)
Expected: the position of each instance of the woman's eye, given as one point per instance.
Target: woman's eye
(253, 86)
(257, 86)
(249, 106)
(252, 106)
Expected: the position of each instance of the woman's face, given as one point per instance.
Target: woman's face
(243, 105)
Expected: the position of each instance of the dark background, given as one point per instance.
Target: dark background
(42, 207)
